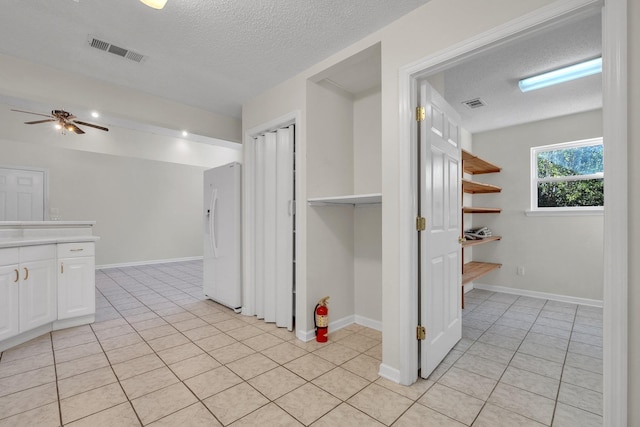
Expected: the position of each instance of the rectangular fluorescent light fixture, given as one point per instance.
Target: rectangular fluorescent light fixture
(561, 75)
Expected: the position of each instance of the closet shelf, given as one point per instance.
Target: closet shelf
(475, 165)
(354, 199)
(477, 210)
(474, 270)
(472, 187)
(468, 243)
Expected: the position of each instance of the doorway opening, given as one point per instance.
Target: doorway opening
(614, 133)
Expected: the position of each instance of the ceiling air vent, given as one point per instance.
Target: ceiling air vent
(116, 50)
(474, 103)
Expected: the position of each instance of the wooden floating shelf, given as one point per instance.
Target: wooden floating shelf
(475, 165)
(472, 187)
(354, 199)
(468, 243)
(474, 270)
(472, 209)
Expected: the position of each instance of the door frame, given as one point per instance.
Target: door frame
(614, 47)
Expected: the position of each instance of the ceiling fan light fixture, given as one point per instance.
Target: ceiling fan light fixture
(57, 126)
(561, 75)
(156, 4)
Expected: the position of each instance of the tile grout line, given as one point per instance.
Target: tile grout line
(510, 360)
(564, 363)
(55, 371)
(166, 365)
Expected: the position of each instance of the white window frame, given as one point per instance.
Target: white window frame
(535, 180)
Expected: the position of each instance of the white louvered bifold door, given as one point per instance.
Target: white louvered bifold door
(269, 202)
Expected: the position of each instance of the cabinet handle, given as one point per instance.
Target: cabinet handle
(17, 275)
(26, 273)
(76, 250)
(62, 268)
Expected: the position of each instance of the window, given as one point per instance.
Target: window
(567, 176)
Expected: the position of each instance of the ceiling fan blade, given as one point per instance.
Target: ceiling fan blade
(29, 112)
(39, 121)
(73, 128)
(91, 125)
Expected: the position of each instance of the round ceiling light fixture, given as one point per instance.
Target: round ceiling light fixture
(156, 4)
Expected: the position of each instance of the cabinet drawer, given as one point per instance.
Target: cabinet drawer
(37, 253)
(9, 256)
(72, 250)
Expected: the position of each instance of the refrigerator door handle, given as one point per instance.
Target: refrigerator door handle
(213, 209)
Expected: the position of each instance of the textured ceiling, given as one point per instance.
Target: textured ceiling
(212, 54)
(493, 76)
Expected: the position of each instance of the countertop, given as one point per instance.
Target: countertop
(13, 242)
(29, 233)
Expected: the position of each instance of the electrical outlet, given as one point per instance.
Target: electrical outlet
(520, 271)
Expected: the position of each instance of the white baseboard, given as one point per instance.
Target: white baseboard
(336, 325)
(305, 336)
(151, 262)
(24, 337)
(369, 323)
(543, 295)
(74, 321)
(392, 374)
(468, 287)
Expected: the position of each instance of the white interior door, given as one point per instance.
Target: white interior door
(21, 195)
(440, 251)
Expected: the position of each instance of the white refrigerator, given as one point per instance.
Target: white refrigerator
(222, 272)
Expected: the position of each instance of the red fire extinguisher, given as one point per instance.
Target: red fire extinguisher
(321, 320)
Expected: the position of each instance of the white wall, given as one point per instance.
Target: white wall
(26, 80)
(634, 207)
(144, 209)
(329, 172)
(560, 254)
(367, 237)
(437, 25)
(366, 142)
(143, 189)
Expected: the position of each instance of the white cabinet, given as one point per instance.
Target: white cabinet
(43, 288)
(27, 289)
(76, 280)
(47, 278)
(9, 298)
(37, 289)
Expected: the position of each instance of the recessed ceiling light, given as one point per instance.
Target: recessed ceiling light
(185, 133)
(561, 75)
(95, 114)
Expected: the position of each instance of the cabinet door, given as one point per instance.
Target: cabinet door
(76, 287)
(9, 300)
(37, 294)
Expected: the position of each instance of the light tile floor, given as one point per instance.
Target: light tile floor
(159, 354)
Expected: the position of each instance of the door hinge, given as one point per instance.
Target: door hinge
(421, 223)
(420, 114)
(421, 333)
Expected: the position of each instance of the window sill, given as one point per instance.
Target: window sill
(566, 212)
